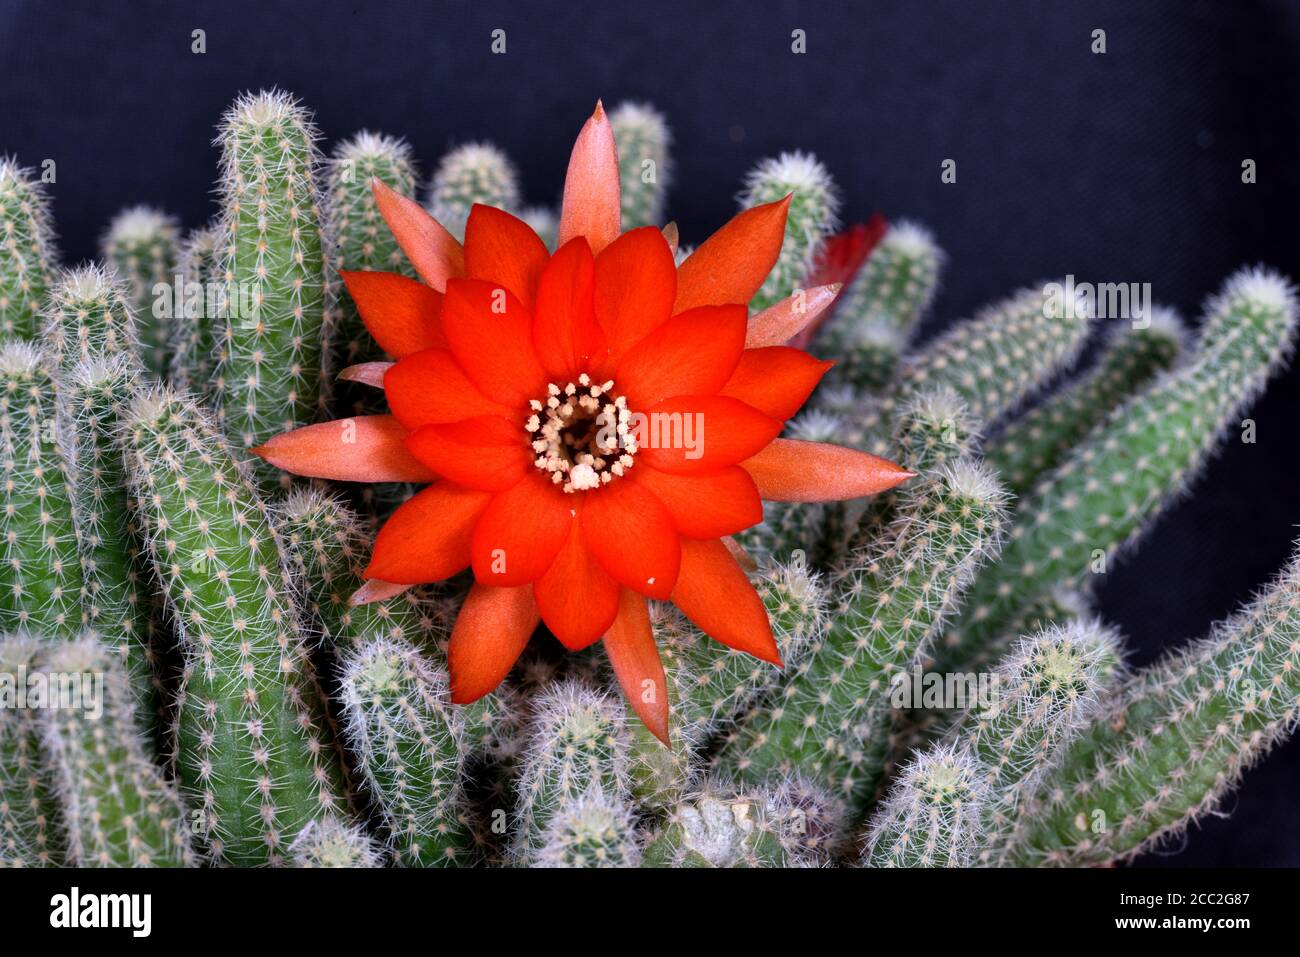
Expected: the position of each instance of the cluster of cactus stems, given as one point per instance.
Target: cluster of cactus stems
(247, 712)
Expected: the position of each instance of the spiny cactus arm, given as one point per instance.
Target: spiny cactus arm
(469, 174)
(1034, 444)
(143, 245)
(410, 741)
(1131, 466)
(269, 378)
(119, 810)
(1176, 740)
(89, 316)
(192, 346)
(577, 740)
(879, 311)
(28, 256)
(831, 718)
(253, 751)
(330, 547)
(593, 831)
(934, 815)
(41, 582)
(644, 162)
(720, 827)
(31, 827)
(812, 215)
(1045, 693)
(113, 555)
(329, 842)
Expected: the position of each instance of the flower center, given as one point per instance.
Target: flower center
(581, 434)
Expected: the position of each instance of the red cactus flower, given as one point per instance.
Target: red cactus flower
(593, 424)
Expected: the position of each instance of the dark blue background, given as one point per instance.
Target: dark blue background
(1116, 168)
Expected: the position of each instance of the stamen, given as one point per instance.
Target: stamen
(583, 441)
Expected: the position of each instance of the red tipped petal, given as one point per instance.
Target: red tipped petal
(502, 248)
(376, 590)
(693, 353)
(636, 282)
(427, 539)
(490, 332)
(491, 631)
(519, 534)
(705, 506)
(487, 452)
(402, 315)
(776, 380)
(591, 205)
(633, 537)
(565, 334)
(431, 387)
(790, 470)
(630, 645)
(702, 433)
(577, 597)
(432, 250)
(731, 264)
(366, 448)
(776, 325)
(366, 373)
(713, 592)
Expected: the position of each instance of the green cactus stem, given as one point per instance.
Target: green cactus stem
(644, 162)
(143, 245)
(28, 257)
(469, 174)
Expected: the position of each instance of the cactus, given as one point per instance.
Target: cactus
(192, 345)
(117, 571)
(118, 809)
(90, 316)
(469, 174)
(935, 814)
(31, 827)
(27, 254)
(41, 582)
(812, 214)
(400, 723)
(592, 831)
(330, 842)
(1034, 444)
(1128, 468)
(271, 339)
(253, 752)
(831, 715)
(880, 309)
(143, 245)
(644, 162)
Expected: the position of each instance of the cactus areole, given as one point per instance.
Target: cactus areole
(593, 425)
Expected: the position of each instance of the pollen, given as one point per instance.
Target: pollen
(581, 434)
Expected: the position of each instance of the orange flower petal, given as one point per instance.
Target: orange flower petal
(430, 387)
(776, 325)
(776, 380)
(705, 506)
(693, 434)
(402, 315)
(517, 537)
(693, 353)
(366, 373)
(376, 590)
(503, 249)
(565, 334)
(486, 452)
(577, 598)
(714, 592)
(490, 333)
(630, 645)
(491, 631)
(632, 536)
(636, 282)
(591, 205)
(731, 264)
(366, 448)
(432, 250)
(427, 538)
(790, 470)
